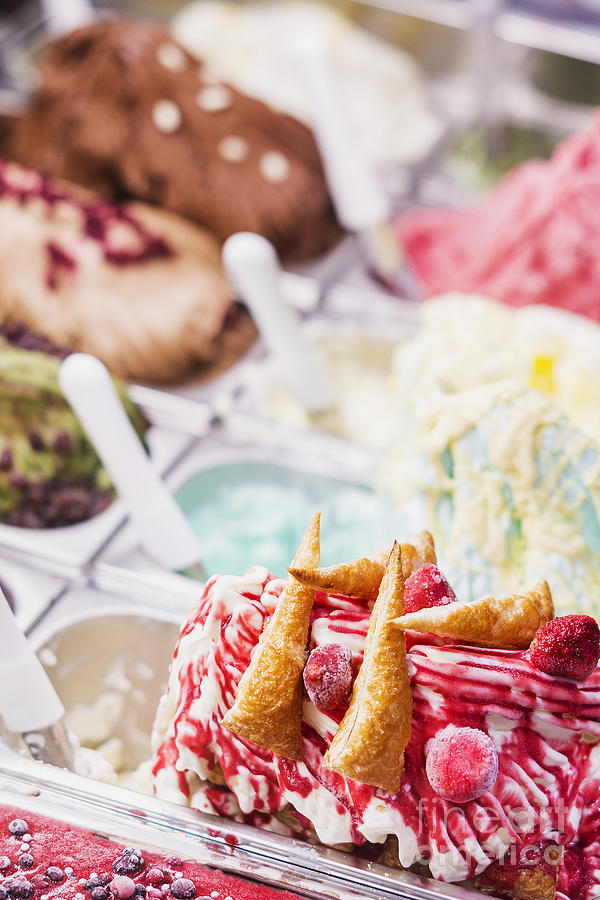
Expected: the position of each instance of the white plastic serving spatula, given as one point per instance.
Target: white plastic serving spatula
(252, 265)
(66, 15)
(361, 204)
(161, 527)
(29, 705)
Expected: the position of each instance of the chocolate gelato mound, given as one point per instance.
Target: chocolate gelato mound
(125, 110)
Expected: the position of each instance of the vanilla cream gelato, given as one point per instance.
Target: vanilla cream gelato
(250, 46)
(467, 340)
(360, 363)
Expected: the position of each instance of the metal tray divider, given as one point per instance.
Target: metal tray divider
(224, 839)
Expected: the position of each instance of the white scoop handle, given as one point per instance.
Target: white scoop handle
(160, 525)
(252, 265)
(28, 702)
(63, 16)
(358, 197)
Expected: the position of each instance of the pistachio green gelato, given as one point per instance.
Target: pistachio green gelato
(49, 471)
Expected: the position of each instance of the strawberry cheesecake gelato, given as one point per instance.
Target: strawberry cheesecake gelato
(532, 240)
(502, 767)
(44, 859)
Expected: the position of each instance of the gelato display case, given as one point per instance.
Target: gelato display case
(378, 677)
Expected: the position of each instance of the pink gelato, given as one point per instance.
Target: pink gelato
(534, 239)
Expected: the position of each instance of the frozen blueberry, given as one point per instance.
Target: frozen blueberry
(40, 883)
(130, 863)
(140, 890)
(26, 861)
(99, 893)
(90, 883)
(55, 874)
(18, 827)
(183, 889)
(18, 888)
(4, 863)
(104, 878)
(3, 894)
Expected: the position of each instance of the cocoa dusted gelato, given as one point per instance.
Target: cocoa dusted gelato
(124, 109)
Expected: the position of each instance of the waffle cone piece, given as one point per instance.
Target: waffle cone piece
(362, 577)
(370, 742)
(268, 705)
(506, 623)
(521, 882)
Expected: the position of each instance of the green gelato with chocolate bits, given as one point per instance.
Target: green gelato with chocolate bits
(50, 474)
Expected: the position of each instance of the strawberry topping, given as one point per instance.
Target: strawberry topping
(425, 588)
(568, 646)
(328, 676)
(462, 763)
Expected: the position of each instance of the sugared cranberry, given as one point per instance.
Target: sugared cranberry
(462, 763)
(122, 887)
(154, 893)
(18, 827)
(425, 588)
(4, 863)
(55, 874)
(175, 862)
(328, 676)
(155, 877)
(129, 863)
(568, 647)
(40, 883)
(18, 888)
(183, 889)
(26, 861)
(100, 893)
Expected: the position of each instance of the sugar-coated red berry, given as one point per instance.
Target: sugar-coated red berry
(122, 887)
(425, 588)
(328, 676)
(155, 876)
(568, 647)
(461, 764)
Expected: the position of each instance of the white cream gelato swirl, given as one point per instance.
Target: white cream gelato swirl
(546, 731)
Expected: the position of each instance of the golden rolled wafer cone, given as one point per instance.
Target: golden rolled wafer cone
(268, 704)
(369, 745)
(362, 577)
(506, 623)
